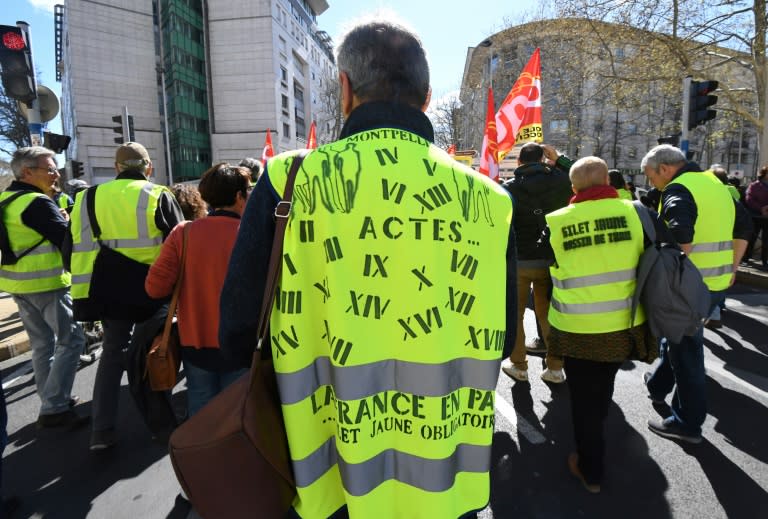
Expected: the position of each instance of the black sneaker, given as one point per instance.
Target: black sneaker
(67, 419)
(669, 429)
(646, 377)
(102, 440)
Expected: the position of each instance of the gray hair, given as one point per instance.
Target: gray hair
(254, 165)
(385, 62)
(28, 158)
(139, 165)
(663, 154)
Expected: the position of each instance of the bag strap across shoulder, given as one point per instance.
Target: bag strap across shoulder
(282, 213)
(162, 350)
(90, 205)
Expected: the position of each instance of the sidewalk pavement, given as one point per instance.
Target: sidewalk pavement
(14, 340)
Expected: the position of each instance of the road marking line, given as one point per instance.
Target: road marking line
(720, 370)
(17, 374)
(519, 423)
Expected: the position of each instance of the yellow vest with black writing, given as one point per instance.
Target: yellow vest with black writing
(388, 327)
(597, 245)
(125, 211)
(712, 251)
(42, 269)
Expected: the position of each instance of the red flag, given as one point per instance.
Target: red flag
(312, 139)
(268, 151)
(519, 116)
(451, 149)
(489, 162)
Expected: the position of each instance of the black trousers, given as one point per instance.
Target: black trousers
(591, 386)
(760, 225)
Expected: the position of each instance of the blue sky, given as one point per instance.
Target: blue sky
(445, 30)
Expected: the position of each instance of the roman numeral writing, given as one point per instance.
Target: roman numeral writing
(459, 301)
(433, 197)
(467, 264)
(289, 264)
(364, 304)
(341, 348)
(282, 341)
(332, 249)
(306, 231)
(486, 339)
(423, 280)
(397, 189)
(426, 323)
(378, 270)
(324, 289)
(385, 155)
(431, 167)
(288, 302)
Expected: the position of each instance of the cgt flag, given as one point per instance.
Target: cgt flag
(312, 139)
(489, 162)
(268, 151)
(519, 116)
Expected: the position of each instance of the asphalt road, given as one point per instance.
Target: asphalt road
(646, 476)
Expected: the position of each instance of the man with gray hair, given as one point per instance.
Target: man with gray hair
(389, 326)
(33, 272)
(712, 229)
(121, 225)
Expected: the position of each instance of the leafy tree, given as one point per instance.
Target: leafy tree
(14, 133)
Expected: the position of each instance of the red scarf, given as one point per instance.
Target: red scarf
(595, 193)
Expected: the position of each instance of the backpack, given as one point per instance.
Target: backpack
(669, 286)
(8, 257)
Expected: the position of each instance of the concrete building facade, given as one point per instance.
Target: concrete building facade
(203, 79)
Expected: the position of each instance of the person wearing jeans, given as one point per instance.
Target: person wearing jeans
(682, 369)
(209, 242)
(712, 229)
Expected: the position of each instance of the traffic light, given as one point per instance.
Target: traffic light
(699, 101)
(16, 61)
(56, 142)
(121, 131)
(77, 169)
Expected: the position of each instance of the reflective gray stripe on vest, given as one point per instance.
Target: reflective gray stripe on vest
(356, 382)
(81, 278)
(595, 279)
(592, 308)
(715, 246)
(431, 475)
(37, 251)
(142, 227)
(29, 276)
(716, 271)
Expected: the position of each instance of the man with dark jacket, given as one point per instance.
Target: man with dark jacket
(537, 190)
(40, 283)
(133, 217)
(712, 229)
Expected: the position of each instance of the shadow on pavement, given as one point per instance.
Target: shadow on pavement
(57, 476)
(532, 480)
(739, 418)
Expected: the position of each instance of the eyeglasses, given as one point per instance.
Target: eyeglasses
(50, 170)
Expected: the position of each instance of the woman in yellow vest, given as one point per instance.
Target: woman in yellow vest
(597, 241)
(618, 182)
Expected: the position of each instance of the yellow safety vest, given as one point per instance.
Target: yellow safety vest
(388, 327)
(125, 211)
(63, 201)
(597, 245)
(712, 251)
(624, 194)
(42, 269)
(734, 192)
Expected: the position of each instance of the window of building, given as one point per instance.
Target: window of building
(632, 153)
(284, 76)
(284, 104)
(286, 130)
(558, 125)
(631, 129)
(618, 54)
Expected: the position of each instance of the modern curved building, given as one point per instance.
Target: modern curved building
(609, 91)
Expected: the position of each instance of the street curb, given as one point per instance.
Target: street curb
(14, 346)
(752, 278)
